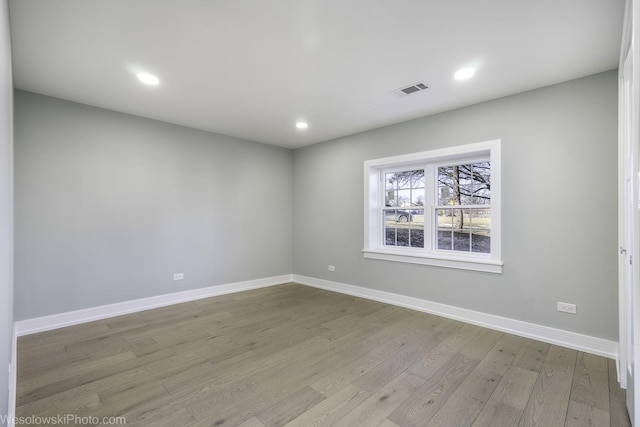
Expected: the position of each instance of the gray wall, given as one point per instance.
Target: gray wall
(6, 205)
(559, 151)
(109, 206)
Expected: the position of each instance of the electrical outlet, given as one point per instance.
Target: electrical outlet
(565, 307)
(332, 268)
(178, 276)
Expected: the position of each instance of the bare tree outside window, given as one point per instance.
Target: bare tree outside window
(462, 211)
(464, 207)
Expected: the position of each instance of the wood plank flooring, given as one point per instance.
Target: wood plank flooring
(291, 355)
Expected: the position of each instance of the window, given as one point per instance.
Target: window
(403, 212)
(438, 207)
(463, 210)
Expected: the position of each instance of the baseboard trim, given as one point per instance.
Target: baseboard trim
(55, 321)
(586, 343)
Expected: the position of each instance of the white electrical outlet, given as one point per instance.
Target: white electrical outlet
(565, 307)
(332, 268)
(178, 276)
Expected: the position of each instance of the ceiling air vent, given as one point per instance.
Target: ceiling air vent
(408, 90)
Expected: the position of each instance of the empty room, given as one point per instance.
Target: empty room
(319, 213)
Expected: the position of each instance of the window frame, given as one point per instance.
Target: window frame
(374, 248)
(383, 207)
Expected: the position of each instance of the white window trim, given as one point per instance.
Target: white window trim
(373, 246)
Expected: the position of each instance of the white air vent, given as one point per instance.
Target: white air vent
(408, 90)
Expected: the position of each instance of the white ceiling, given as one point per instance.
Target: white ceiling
(252, 68)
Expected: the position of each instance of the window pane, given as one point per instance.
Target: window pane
(390, 198)
(481, 230)
(404, 227)
(404, 188)
(461, 241)
(444, 228)
(404, 179)
(417, 197)
(446, 194)
(464, 230)
(465, 184)
(404, 198)
(390, 236)
(390, 181)
(464, 174)
(480, 176)
(417, 179)
(390, 227)
(482, 196)
(455, 230)
(416, 228)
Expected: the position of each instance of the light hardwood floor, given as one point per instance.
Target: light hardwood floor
(291, 355)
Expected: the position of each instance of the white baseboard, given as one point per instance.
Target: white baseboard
(586, 343)
(54, 321)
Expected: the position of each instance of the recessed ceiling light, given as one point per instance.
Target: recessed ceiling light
(148, 79)
(464, 73)
(302, 125)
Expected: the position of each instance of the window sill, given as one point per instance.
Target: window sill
(466, 263)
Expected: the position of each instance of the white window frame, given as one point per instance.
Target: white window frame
(374, 247)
